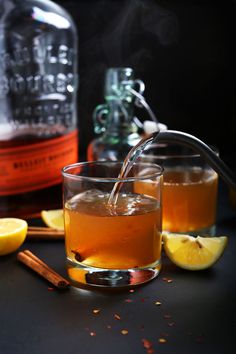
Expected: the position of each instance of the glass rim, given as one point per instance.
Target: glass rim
(65, 173)
(178, 155)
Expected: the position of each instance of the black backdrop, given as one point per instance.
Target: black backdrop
(182, 50)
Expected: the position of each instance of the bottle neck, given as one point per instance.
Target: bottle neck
(120, 118)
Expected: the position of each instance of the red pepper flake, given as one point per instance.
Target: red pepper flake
(117, 317)
(168, 280)
(131, 290)
(171, 324)
(128, 300)
(157, 303)
(96, 311)
(142, 300)
(162, 340)
(124, 332)
(146, 344)
(150, 351)
(167, 316)
(92, 334)
(50, 289)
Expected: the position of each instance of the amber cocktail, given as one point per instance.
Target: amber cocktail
(189, 190)
(112, 245)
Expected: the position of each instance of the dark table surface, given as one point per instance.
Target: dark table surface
(196, 315)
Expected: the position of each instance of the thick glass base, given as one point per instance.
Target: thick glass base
(206, 232)
(86, 275)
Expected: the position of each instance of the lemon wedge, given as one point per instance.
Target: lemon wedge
(53, 218)
(194, 253)
(12, 234)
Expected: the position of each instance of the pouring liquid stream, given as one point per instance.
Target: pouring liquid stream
(128, 163)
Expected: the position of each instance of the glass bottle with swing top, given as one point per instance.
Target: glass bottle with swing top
(115, 121)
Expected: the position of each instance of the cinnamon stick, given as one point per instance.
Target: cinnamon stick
(36, 264)
(40, 228)
(44, 233)
(31, 255)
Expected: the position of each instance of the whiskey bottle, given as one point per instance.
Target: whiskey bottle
(38, 116)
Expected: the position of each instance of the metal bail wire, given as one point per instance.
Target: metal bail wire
(141, 101)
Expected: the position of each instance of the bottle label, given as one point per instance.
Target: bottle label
(35, 166)
(38, 82)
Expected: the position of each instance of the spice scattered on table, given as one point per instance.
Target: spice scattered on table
(162, 340)
(96, 311)
(92, 334)
(167, 316)
(117, 317)
(171, 324)
(167, 280)
(157, 303)
(128, 300)
(124, 332)
(148, 345)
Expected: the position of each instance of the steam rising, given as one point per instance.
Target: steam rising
(129, 33)
(138, 21)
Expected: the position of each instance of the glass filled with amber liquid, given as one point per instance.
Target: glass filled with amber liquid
(189, 189)
(112, 244)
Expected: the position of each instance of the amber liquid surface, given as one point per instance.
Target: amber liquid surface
(189, 199)
(127, 236)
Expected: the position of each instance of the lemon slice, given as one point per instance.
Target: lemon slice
(12, 234)
(194, 253)
(53, 218)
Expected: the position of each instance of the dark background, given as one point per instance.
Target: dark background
(182, 50)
